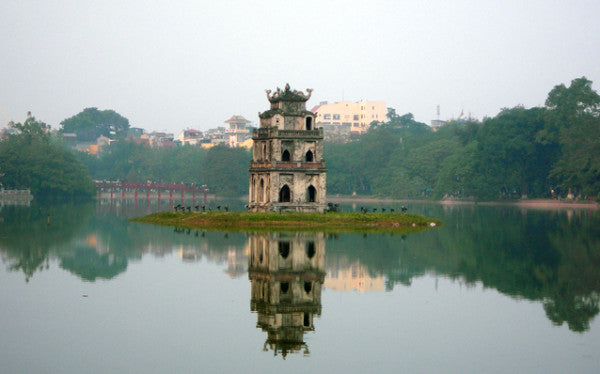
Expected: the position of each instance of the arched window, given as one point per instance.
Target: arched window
(306, 320)
(307, 287)
(284, 194)
(309, 156)
(261, 192)
(312, 194)
(309, 123)
(264, 157)
(284, 249)
(310, 249)
(285, 156)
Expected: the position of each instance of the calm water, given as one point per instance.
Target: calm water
(495, 290)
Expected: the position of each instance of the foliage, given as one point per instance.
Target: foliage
(32, 159)
(574, 118)
(518, 153)
(226, 170)
(91, 123)
(223, 169)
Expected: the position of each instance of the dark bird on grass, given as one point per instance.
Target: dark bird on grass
(382, 210)
(218, 207)
(196, 207)
(374, 209)
(404, 209)
(392, 210)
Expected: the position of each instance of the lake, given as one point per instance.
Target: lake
(494, 289)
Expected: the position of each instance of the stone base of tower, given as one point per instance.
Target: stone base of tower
(287, 207)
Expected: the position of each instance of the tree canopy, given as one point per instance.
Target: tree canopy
(33, 159)
(90, 123)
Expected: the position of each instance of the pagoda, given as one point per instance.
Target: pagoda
(287, 172)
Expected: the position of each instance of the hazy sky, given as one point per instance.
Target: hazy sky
(173, 64)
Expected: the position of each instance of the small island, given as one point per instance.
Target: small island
(331, 222)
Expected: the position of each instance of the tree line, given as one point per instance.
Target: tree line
(540, 152)
(223, 169)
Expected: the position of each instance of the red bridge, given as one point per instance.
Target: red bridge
(150, 186)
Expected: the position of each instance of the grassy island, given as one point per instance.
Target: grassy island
(330, 222)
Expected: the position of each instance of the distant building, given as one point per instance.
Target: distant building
(159, 139)
(346, 118)
(190, 136)
(238, 131)
(437, 123)
(135, 132)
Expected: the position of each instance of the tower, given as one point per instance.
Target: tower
(287, 172)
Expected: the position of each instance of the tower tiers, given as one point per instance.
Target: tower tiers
(287, 172)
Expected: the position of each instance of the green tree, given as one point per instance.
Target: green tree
(510, 160)
(574, 124)
(31, 159)
(91, 123)
(226, 170)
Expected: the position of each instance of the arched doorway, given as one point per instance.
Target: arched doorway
(309, 156)
(261, 192)
(284, 194)
(312, 194)
(285, 156)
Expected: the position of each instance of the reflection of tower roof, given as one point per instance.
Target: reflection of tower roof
(290, 342)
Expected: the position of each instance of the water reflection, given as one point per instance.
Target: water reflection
(286, 273)
(552, 258)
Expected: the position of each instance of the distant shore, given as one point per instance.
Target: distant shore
(530, 203)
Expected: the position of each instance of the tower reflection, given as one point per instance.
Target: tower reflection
(286, 273)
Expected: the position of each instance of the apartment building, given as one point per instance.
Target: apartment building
(347, 117)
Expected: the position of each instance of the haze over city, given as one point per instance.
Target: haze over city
(173, 65)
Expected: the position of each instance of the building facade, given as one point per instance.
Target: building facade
(238, 131)
(347, 117)
(287, 172)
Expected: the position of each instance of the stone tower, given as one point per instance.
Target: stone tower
(287, 172)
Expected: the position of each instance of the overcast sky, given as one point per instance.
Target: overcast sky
(172, 65)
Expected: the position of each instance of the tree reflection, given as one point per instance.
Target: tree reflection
(549, 257)
(28, 235)
(286, 273)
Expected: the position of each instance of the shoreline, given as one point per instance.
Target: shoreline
(542, 204)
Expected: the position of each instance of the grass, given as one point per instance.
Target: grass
(317, 222)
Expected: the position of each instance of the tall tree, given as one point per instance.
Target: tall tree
(30, 159)
(574, 123)
(91, 123)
